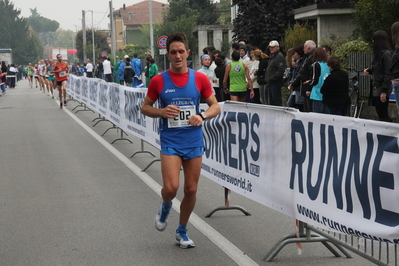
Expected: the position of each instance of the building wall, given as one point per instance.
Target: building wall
(119, 33)
(341, 27)
(135, 37)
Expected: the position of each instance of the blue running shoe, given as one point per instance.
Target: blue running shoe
(161, 218)
(183, 240)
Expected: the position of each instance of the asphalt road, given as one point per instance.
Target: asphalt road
(69, 197)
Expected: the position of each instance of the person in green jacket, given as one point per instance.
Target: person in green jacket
(153, 69)
(115, 70)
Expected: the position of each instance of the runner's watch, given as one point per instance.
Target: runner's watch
(202, 115)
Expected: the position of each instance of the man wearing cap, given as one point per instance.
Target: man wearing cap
(274, 74)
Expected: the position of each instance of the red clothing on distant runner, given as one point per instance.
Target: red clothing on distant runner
(180, 80)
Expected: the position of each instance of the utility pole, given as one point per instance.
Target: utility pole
(151, 29)
(111, 15)
(92, 33)
(84, 35)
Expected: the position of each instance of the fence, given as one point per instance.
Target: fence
(378, 252)
(360, 61)
(318, 149)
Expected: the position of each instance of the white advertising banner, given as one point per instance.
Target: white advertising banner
(337, 173)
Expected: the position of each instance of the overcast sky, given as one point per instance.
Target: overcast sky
(69, 12)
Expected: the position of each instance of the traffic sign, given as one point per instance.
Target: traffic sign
(104, 54)
(162, 41)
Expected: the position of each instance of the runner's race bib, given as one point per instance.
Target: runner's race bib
(182, 119)
(62, 74)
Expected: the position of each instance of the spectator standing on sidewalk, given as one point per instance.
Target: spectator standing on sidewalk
(395, 63)
(107, 69)
(137, 68)
(11, 76)
(153, 69)
(274, 74)
(380, 70)
(89, 68)
(335, 89)
(128, 73)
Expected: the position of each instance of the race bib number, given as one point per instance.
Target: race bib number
(62, 74)
(182, 119)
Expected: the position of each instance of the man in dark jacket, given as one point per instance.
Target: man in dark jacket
(274, 74)
(305, 74)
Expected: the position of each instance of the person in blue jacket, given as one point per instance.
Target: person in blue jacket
(121, 70)
(137, 68)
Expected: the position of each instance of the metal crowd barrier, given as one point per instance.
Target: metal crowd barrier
(122, 132)
(380, 253)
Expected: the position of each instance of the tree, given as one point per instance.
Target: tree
(100, 44)
(42, 24)
(15, 34)
(64, 38)
(204, 10)
(182, 23)
(32, 50)
(207, 11)
(34, 12)
(260, 21)
(224, 12)
(373, 15)
(131, 49)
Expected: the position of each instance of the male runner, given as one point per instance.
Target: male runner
(179, 90)
(61, 71)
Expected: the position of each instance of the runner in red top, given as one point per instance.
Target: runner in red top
(178, 91)
(61, 72)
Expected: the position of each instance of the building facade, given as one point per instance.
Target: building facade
(129, 19)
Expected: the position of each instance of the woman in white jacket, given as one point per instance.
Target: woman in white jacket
(253, 66)
(205, 69)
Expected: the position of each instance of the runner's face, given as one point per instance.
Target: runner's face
(59, 58)
(178, 55)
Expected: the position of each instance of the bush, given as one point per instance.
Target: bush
(130, 49)
(298, 34)
(334, 42)
(348, 47)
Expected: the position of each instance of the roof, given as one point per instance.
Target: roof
(140, 13)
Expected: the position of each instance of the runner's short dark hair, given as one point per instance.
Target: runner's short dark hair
(177, 37)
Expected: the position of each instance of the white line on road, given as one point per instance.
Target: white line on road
(220, 241)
